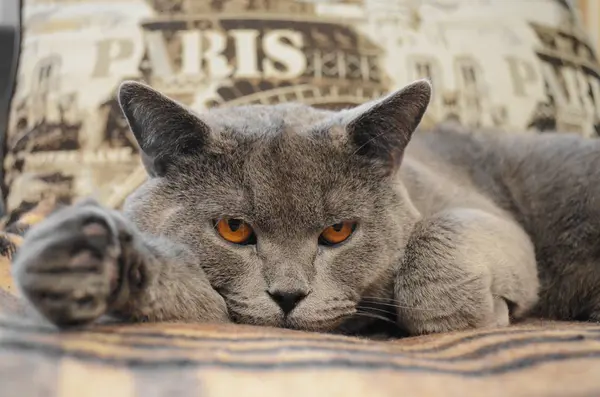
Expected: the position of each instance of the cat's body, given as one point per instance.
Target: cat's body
(345, 223)
(548, 184)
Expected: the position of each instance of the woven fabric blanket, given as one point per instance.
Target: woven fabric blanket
(538, 358)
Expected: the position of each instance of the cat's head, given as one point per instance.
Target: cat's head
(295, 214)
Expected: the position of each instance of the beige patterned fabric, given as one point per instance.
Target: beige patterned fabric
(590, 17)
(517, 65)
(549, 359)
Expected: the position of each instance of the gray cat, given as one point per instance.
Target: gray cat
(295, 217)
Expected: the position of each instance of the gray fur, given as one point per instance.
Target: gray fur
(449, 227)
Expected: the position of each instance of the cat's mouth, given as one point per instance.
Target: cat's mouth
(347, 318)
(290, 322)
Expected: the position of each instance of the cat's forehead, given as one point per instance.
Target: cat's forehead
(281, 166)
(265, 120)
(285, 147)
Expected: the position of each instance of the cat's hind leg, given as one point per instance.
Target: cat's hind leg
(569, 289)
(465, 268)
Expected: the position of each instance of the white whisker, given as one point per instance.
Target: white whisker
(391, 303)
(374, 316)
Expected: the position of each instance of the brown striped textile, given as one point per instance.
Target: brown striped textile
(538, 358)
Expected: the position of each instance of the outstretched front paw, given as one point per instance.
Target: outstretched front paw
(70, 266)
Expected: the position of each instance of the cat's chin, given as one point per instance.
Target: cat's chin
(326, 325)
(321, 325)
(330, 324)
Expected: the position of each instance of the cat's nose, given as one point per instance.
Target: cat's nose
(287, 300)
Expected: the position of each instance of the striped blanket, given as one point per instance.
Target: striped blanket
(538, 358)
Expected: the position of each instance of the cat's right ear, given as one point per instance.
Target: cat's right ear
(380, 130)
(164, 129)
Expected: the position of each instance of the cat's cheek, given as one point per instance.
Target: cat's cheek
(321, 314)
(222, 259)
(258, 310)
(356, 265)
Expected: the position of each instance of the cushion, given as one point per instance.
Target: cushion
(516, 66)
(590, 18)
(536, 358)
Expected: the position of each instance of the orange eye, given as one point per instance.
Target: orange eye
(235, 231)
(337, 233)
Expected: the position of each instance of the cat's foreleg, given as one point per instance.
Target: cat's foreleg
(86, 261)
(465, 268)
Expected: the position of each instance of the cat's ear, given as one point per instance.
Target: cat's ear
(382, 129)
(165, 130)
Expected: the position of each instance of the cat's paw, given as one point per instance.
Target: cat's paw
(450, 304)
(70, 265)
(465, 269)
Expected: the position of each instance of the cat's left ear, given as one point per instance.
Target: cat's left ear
(165, 130)
(382, 129)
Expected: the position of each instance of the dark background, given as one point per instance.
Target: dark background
(10, 18)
